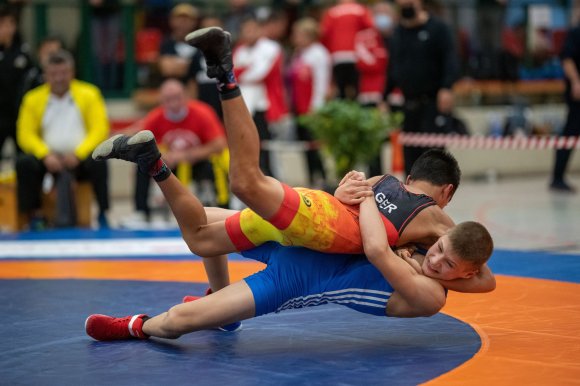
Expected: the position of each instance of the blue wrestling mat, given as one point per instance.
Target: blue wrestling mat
(43, 342)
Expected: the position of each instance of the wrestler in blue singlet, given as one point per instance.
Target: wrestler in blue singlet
(298, 277)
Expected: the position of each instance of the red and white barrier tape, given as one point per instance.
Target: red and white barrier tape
(481, 142)
(450, 141)
(289, 146)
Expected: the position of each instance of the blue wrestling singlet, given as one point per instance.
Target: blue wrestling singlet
(298, 277)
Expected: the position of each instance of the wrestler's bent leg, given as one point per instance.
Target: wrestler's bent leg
(261, 193)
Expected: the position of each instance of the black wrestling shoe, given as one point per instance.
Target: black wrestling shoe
(214, 43)
(140, 149)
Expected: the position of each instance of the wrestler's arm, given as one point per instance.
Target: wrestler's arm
(421, 296)
(483, 281)
(407, 253)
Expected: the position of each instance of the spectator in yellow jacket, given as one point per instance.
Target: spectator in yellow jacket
(59, 125)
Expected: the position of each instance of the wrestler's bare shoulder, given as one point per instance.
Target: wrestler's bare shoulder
(430, 224)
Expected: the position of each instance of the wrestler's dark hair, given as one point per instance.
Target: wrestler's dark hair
(438, 167)
(472, 242)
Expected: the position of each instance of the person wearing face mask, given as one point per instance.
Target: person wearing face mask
(423, 65)
(188, 131)
(372, 48)
(385, 21)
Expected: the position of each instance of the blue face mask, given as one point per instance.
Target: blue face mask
(176, 116)
(383, 22)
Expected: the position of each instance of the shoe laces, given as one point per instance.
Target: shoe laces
(117, 321)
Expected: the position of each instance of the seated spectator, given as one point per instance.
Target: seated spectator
(175, 53)
(59, 125)
(188, 132)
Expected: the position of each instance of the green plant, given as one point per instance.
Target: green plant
(350, 133)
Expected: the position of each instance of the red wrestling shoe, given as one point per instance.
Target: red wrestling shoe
(236, 326)
(191, 298)
(105, 328)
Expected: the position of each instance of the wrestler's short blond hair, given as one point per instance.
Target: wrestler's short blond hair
(471, 242)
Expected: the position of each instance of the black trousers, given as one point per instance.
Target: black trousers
(30, 173)
(420, 117)
(265, 135)
(375, 165)
(201, 171)
(572, 128)
(7, 130)
(345, 76)
(313, 158)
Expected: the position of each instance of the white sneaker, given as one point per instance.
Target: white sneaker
(135, 221)
(160, 224)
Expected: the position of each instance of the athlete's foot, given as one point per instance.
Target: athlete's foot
(214, 43)
(106, 328)
(140, 149)
(235, 326)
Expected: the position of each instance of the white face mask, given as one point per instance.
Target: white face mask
(383, 22)
(175, 117)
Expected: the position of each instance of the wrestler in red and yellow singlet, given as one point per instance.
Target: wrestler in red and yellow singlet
(308, 218)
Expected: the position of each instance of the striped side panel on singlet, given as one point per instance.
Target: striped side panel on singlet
(347, 297)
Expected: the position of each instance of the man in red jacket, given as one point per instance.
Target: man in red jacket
(339, 26)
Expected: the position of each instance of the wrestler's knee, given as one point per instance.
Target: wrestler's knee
(197, 244)
(247, 185)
